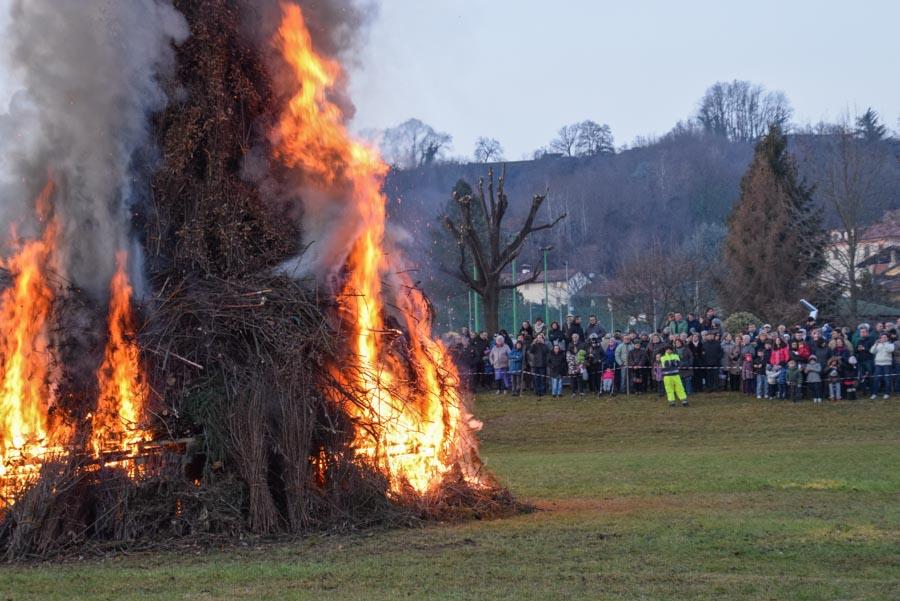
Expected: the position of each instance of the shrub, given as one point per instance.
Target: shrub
(738, 322)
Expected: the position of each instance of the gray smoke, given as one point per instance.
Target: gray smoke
(338, 27)
(88, 73)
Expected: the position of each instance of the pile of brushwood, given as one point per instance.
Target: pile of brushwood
(247, 438)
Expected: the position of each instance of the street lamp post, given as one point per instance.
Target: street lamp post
(566, 292)
(515, 309)
(546, 250)
(475, 300)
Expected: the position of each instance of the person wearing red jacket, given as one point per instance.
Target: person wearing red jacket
(781, 354)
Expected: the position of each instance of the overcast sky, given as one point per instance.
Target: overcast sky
(517, 70)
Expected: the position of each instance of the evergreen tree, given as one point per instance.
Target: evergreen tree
(869, 128)
(774, 247)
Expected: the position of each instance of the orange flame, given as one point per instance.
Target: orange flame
(408, 423)
(123, 390)
(26, 396)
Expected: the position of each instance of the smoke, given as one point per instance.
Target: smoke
(88, 73)
(338, 27)
(329, 217)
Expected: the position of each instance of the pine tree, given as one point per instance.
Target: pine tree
(869, 128)
(774, 247)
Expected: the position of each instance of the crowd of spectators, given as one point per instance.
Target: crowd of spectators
(782, 362)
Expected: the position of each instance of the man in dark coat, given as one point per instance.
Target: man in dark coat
(537, 360)
(712, 362)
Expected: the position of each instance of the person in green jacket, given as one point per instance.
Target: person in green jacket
(671, 363)
(677, 325)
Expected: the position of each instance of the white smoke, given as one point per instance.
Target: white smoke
(88, 73)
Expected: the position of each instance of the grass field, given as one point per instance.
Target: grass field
(730, 498)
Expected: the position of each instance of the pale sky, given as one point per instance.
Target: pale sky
(517, 70)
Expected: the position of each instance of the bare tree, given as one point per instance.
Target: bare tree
(483, 248)
(594, 139)
(650, 280)
(741, 110)
(566, 140)
(851, 180)
(487, 150)
(414, 143)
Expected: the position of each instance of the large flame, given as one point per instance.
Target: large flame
(30, 431)
(27, 431)
(408, 420)
(123, 390)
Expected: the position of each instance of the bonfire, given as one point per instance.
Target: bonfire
(276, 372)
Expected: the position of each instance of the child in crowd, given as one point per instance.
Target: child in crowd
(781, 381)
(833, 376)
(658, 374)
(609, 377)
(793, 377)
(516, 358)
(773, 373)
(813, 372)
(747, 376)
(577, 362)
(759, 370)
(850, 379)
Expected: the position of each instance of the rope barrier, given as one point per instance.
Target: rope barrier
(645, 367)
(858, 381)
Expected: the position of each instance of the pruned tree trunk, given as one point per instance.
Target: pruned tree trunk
(491, 299)
(482, 248)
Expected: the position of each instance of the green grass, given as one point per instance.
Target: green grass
(730, 498)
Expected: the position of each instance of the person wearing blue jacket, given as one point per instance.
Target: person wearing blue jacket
(516, 358)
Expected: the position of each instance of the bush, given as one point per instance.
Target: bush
(738, 322)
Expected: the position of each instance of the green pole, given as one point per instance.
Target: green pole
(475, 300)
(514, 299)
(546, 295)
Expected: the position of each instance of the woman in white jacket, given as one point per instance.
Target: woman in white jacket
(883, 353)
